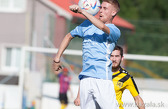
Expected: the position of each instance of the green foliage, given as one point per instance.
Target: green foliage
(149, 38)
(144, 9)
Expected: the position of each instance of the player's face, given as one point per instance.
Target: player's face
(106, 12)
(116, 58)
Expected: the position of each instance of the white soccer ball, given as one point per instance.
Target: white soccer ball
(91, 6)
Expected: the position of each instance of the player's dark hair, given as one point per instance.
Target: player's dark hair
(117, 47)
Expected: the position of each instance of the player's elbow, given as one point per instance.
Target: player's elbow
(139, 102)
(105, 29)
(69, 36)
(102, 26)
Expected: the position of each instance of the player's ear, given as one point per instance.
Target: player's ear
(122, 58)
(113, 13)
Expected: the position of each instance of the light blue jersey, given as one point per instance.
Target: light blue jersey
(97, 47)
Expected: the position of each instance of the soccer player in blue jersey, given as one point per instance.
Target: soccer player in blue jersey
(99, 39)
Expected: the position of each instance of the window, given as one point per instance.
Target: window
(12, 5)
(11, 59)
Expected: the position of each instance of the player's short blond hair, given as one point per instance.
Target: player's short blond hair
(115, 3)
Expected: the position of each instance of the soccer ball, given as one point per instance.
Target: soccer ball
(91, 6)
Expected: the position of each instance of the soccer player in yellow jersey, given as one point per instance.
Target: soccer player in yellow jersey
(122, 80)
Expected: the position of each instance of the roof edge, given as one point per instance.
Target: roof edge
(58, 9)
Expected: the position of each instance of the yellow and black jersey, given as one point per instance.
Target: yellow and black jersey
(123, 80)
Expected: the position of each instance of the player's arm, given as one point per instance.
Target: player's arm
(98, 23)
(132, 87)
(77, 100)
(64, 44)
(139, 102)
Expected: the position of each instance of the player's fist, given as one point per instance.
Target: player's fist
(56, 66)
(77, 101)
(75, 8)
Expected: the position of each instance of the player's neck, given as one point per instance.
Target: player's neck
(108, 22)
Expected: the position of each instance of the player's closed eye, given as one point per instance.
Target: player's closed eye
(111, 56)
(117, 56)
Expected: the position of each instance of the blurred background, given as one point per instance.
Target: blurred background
(32, 30)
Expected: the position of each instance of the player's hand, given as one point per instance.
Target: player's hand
(77, 101)
(56, 66)
(75, 8)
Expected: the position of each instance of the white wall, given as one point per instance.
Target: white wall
(9, 97)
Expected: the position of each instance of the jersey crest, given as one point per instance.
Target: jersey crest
(119, 84)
